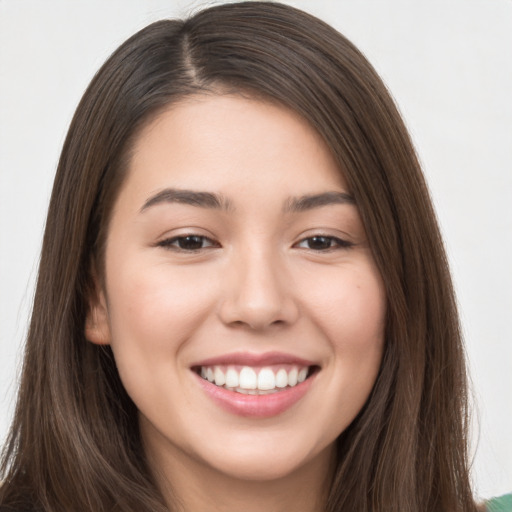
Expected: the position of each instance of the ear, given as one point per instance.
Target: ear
(97, 326)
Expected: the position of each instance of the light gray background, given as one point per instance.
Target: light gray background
(448, 64)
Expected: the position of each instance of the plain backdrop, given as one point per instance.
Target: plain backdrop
(448, 63)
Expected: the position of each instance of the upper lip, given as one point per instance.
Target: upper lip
(254, 359)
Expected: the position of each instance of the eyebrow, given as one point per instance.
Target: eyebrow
(218, 202)
(190, 197)
(309, 202)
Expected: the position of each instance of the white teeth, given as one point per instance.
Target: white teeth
(254, 391)
(220, 379)
(281, 378)
(292, 377)
(266, 379)
(251, 381)
(232, 380)
(248, 378)
(303, 373)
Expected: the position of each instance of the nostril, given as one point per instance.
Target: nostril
(256, 325)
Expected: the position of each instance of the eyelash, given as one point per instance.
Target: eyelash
(335, 243)
(176, 243)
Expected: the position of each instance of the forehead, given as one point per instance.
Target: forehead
(210, 141)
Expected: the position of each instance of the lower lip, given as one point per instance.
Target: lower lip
(256, 406)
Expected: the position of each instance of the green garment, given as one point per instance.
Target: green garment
(503, 504)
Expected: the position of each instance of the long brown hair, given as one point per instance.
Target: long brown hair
(74, 443)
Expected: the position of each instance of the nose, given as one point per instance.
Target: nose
(258, 293)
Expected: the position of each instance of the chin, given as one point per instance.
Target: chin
(267, 460)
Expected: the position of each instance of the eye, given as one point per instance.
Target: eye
(188, 243)
(323, 243)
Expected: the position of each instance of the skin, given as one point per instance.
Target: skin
(257, 283)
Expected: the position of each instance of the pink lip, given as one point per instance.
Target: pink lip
(256, 406)
(250, 359)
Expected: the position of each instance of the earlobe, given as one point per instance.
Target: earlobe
(97, 328)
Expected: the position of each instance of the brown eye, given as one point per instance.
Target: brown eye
(188, 243)
(319, 243)
(324, 243)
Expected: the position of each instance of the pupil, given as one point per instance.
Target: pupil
(190, 242)
(319, 242)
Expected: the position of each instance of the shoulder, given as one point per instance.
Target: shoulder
(502, 504)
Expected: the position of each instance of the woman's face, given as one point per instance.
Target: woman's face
(241, 300)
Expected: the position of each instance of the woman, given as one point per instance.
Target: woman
(243, 299)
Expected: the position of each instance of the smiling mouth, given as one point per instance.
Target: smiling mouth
(252, 380)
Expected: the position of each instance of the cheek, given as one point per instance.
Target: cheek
(155, 307)
(350, 310)
(154, 311)
(350, 306)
